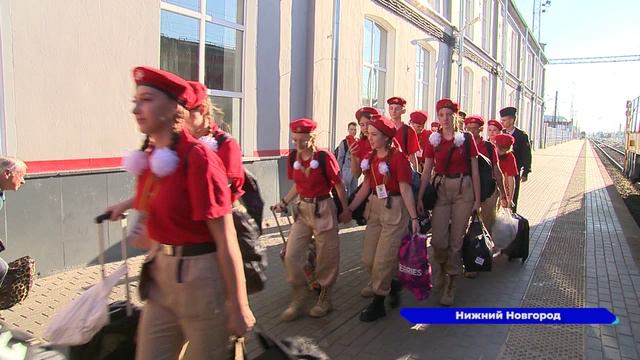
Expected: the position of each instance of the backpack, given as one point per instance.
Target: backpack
(251, 198)
(322, 160)
(487, 182)
(248, 229)
(336, 151)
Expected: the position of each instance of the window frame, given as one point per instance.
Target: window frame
(487, 25)
(423, 83)
(373, 69)
(485, 94)
(467, 90)
(203, 19)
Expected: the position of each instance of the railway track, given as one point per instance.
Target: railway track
(613, 154)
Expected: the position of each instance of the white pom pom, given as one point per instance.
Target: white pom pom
(383, 168)
(210, 141)
(364, 164)
(458, 139)
(435, 139)
(163, 162)
(135, 162)
(314, 164)
(297, 165)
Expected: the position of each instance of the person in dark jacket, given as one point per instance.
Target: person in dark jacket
(521, 148)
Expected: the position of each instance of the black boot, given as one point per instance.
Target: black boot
(374, 311)
(394, 294)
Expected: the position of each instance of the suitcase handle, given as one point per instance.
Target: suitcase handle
(106, 216)
(123, 248)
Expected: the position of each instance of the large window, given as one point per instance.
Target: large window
(423, 66)
(487, 25)
(468, 18)
(467, 92)
(374, 68)
(437, 5)
(484, 97)
(514, 53)
(182, 48)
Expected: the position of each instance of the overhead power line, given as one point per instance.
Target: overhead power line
(594, 60)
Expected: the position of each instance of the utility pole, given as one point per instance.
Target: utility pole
(555, 117)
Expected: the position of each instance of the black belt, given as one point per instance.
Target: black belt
(315, 199)
(454, 176)
(391, 193)
(188, 250)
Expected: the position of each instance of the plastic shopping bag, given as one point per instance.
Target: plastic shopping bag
(81, 319)
(504, 229)
(414, 270)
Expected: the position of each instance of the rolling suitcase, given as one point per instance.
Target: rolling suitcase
(117, 340)
(519, 248)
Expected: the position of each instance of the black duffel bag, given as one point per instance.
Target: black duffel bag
(476, 248)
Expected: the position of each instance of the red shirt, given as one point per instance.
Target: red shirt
(231, 156)
(423, 139)
(412, 142)
(364, 148)
(482, 149)
(315, 185)
(459, 161)
(508, 164)
(399, 171)
(179, 204)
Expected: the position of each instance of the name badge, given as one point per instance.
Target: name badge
(381, 190)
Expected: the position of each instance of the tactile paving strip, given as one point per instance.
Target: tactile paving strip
(558, 281)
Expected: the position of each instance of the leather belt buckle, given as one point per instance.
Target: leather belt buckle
(168, 250)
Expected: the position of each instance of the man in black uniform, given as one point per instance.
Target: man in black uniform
(521, 148)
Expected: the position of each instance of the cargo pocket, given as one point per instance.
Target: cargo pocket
(393, 216)
(328, 218)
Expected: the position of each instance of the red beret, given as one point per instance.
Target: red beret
(435, 123)
(385, 125)
(419, 117)
(495, 123)
(396, 101)
(504, 140)
(447, 103)
(303, 126)
(474, 119)
(200, 93)
(171, 84)
(366, 109)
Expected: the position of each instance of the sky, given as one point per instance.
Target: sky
(590, 28)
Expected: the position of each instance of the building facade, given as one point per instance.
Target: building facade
(66, 88)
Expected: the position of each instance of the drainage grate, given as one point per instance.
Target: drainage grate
(558, 281)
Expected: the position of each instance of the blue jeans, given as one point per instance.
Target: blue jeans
(4, 268)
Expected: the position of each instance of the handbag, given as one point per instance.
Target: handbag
(414, 269)
(17, 282)
(476, 248)
(431, 192)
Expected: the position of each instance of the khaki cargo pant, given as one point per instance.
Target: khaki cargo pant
(488, 210)
(324, 230)
(382, 238)
(186, 303)
(454, 206)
